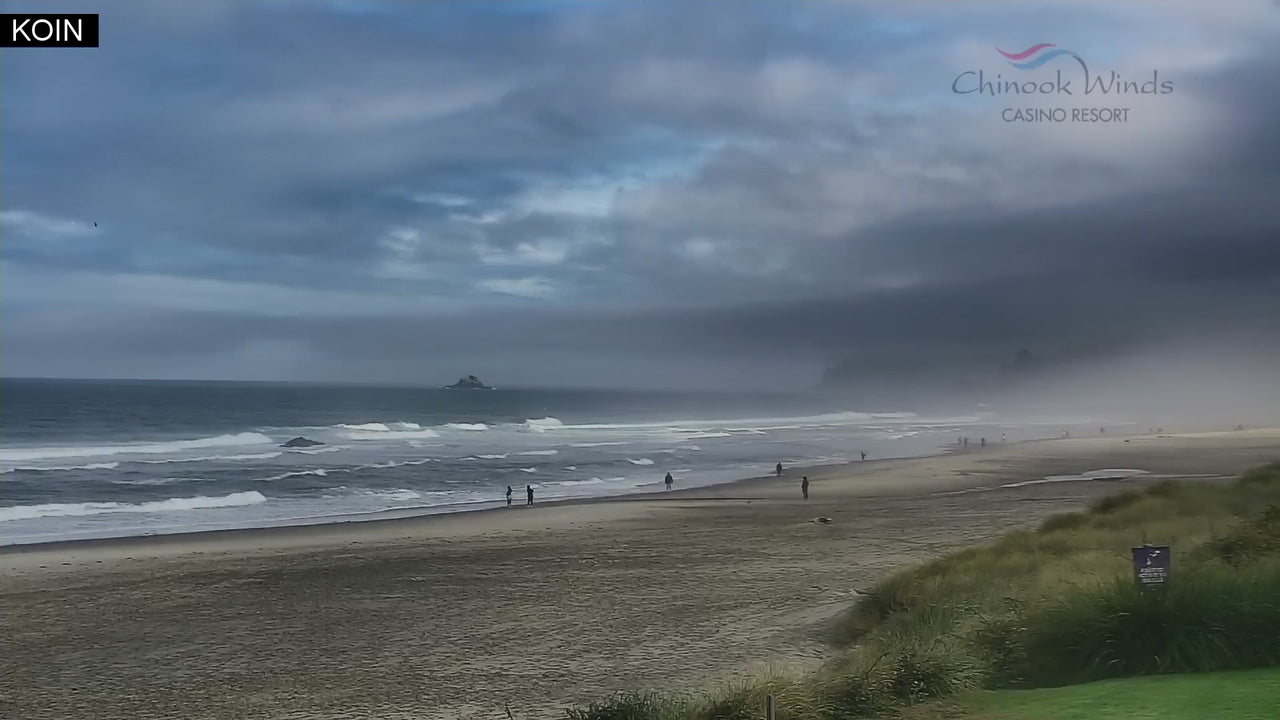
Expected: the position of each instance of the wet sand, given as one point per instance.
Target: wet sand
(454, 616)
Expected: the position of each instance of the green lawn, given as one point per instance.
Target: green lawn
(1245, 695)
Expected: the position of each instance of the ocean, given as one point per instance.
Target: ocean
(91, 459)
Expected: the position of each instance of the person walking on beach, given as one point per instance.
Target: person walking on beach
(528, 490)
(778, 469)
(668, 480)
(804, 486)
(508, 496)
(984, 442)
(864, 455)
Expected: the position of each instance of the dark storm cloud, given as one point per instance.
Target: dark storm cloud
(570, 188)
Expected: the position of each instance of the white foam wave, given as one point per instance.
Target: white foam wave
(149, 448)
(529, 469)
(708, 435)
(28, 512)
(393, 463)
(542, 424)
(397, 494)
(390, 434)
(319, 472)
(539, 452)
(216, 458)
(640, 461)
(90, 466)
(317, 451)
(572, 483)
(381, 427)
(502, 456)
(472, 427)
(837, 418)
(600, 444)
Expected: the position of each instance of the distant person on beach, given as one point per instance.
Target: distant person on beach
(1002, 435)
(508, 496)
(804, 486)
(528, 490)
(966, 442)
(984, 442)
(668, 480)
(778, 469)
(864, 454)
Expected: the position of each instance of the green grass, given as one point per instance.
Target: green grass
(1042, 608)
(1245, 695)
(1209, 619)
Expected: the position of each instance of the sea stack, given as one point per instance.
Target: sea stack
(470, 382)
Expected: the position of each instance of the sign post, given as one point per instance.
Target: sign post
(1151, 564)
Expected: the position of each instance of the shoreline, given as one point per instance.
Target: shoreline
(297, 534)
(456, 615)
(426, 512)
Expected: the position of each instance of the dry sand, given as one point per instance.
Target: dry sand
(453, 616)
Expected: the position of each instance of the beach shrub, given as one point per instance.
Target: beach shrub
(1251, 540)
(917, 676)
(1117, 501)
(1064, 521)
(1205, 619)
(1264, 475)
(850, 695)
(628, 706)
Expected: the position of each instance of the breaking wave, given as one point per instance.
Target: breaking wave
(381, 427)
(90, 466)
(27, 512)
(150, 448)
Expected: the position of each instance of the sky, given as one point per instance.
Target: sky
(659, 194)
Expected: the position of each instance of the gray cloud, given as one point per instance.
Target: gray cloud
(650, 193)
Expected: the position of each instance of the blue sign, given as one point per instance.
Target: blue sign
(1151, 565)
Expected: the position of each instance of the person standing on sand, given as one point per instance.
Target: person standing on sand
(778, 469)
(528, 490)
(508, 496)
(804, 486)
(864, 455)
(984, 442)
(668, 480)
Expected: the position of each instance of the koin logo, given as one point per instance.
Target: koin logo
(69, 30)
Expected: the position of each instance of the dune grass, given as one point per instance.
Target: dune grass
(1045, 607)
(1243, 695)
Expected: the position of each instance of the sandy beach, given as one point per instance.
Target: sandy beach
(455, 616)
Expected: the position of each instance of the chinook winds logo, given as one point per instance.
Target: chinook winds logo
(1063, 82)
(1037, 55)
